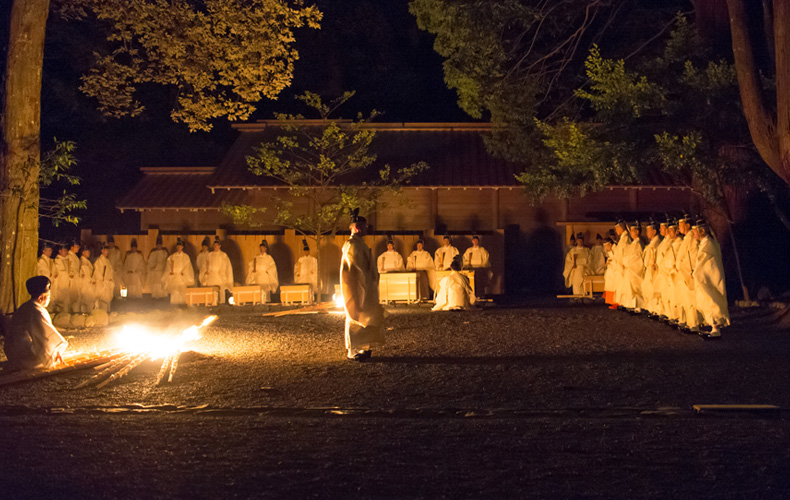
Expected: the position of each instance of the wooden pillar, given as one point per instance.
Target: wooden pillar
(495, 209)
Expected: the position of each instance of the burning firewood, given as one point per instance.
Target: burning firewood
(139, 345)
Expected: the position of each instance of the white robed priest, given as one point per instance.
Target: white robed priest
(60, 281)
(445, 254)
(688, 321)
(46, 266)
(262, 271)
(609, 275)
(104, 279)
(577, 266)
(179, 274)
(202, 257)
(73, 264)
(711, 294)
(597, 263)
(157, 260)
(420, 260)
(454, 292)
(620, 281)
(31, 341)
(391, 260)
(359, 285)
(134, 271)
(476, 257)
(634, 270)
(116, 260)
(219, 271)
(306, 269)
(87, 297)
(650, 292)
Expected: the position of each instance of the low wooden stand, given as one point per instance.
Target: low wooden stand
(202, 295)
(399, 287)
(249, 294)
(296, 294)
(593, 284)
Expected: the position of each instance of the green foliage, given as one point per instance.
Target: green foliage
(219, 56)
(243, 214)
(616, 93)
(326, 162)
(578, 162)
(684, 119)
(54, 171)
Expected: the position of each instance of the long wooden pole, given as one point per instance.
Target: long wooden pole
(27, 375)
(113, 366)
(124, 370)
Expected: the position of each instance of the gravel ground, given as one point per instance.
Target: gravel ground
(537, 399)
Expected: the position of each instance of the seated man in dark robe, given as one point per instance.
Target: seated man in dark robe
(30, 339)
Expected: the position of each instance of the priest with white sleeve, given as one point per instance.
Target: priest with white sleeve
(598, 257)
(179, 274)
(454, 292)
(201, 258)
(306, 269)
(621, 283)
(31, 341)
(262, 271)
(103, 279)
(44, 266)
(609, 274)
(577, 266)
(87, 296)
(661, 279)
(445, 254)
(711, 293)
(685, 292)
(650, 293)
(219, 271)
(157, 260)
(60, 282)
(116, 260)
(359, 287)
(634, 270)
(134, 271)
(476, 258)
(420, 260)
(73, 265)
(390, 261)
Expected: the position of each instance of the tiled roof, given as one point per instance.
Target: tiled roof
(454, 152)
(177, 187)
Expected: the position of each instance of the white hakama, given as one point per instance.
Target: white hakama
(263, 271)
(179, 275)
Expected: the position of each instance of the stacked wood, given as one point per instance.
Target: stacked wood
(72, 363)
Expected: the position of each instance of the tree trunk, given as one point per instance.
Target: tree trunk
(762, 125)
(782, 54)
(20, 155)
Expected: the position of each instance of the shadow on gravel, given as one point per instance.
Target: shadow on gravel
(652, 357)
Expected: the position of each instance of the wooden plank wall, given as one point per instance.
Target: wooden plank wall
(286, 249)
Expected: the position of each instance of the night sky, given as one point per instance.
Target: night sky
(371, 47)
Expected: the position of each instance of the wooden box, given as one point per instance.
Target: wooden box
(202, 295)
(468, 273)
(291, 294)
(250, 294)
(593, 284)
(399, 287)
